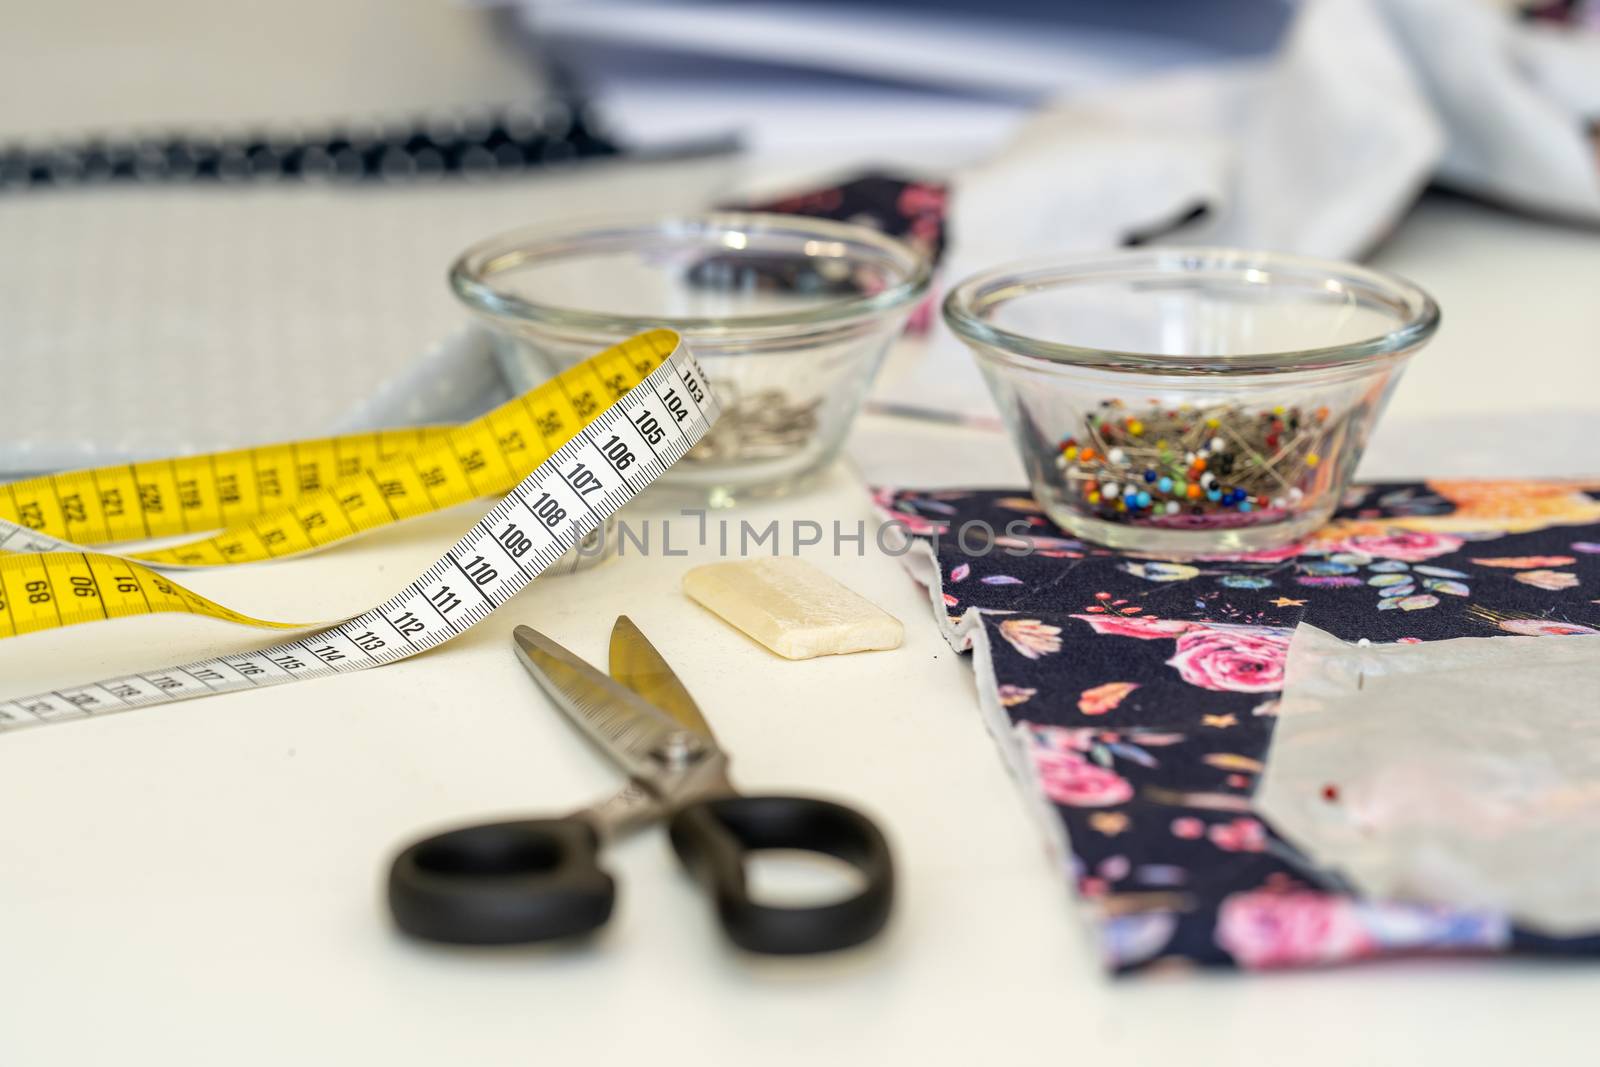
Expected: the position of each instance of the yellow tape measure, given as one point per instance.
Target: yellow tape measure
(49, 590)
(276, 501)
(194, 494)
(660, 409)
(283, 500)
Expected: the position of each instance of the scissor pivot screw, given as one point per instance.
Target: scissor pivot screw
(679, 750)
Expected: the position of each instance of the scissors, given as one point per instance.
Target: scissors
(540, 879)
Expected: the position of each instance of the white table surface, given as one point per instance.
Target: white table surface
(202, 884)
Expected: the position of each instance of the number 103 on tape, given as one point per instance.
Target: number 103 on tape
(598, 469)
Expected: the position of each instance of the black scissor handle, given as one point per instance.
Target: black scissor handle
(502, 883)
(714, 837)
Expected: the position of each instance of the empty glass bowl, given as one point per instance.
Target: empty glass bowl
(789, 316)
(1180, 402)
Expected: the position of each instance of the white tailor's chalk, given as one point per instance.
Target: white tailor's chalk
(792, 608)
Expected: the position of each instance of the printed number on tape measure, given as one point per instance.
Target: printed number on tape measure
(67, 585)
(284, 500)
(623, 449)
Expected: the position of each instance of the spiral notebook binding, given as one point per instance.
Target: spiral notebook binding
(466, 145)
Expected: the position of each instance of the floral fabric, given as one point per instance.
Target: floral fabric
(912, 210)
(1135, 698)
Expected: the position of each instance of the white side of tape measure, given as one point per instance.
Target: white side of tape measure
(565, 498)
(15, 538)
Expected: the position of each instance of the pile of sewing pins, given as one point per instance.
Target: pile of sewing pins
(766, 424)
(1186, 464)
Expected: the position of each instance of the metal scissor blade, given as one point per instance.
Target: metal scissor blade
(619, 720)
(636, 664)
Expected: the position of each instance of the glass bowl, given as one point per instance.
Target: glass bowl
(789, 316)
(1182, 402)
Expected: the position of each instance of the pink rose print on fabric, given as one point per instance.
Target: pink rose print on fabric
(1146, 628)
(1233, 659)
(1263, 929)
(1406, 546)
(1240, 835)
(1091, 887)
(1076, 783)
(919, 198)
(1067, 777)
(1188, 827)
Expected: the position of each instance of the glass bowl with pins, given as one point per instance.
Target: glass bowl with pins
(789, 316)
(1190, 401)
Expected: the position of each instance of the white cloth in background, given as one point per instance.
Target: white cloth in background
(1317, 151)
(1519, 104)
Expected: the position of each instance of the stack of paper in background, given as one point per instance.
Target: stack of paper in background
(873, 79)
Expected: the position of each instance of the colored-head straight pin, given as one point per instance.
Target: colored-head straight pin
(1186, 463)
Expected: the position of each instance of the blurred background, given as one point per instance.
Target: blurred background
(229, 223)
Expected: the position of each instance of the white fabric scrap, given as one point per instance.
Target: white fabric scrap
(1462, 772)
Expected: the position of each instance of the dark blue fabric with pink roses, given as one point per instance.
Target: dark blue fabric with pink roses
(1141, 695)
